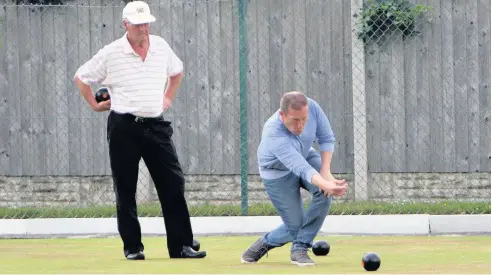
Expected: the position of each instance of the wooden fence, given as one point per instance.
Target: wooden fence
(427, 97)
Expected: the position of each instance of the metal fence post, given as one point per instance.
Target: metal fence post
(243, 113)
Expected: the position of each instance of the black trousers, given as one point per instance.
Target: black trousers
(131, 139)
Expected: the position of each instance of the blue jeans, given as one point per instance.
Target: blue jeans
(298, 227)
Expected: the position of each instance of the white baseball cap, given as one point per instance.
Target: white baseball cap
(138, 12)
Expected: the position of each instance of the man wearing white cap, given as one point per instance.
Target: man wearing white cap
(142, 74)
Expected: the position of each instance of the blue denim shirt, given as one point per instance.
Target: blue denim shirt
(280, 152)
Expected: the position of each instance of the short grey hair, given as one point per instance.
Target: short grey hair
(294, 99)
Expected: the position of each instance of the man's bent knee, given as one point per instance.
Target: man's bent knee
(294, 228)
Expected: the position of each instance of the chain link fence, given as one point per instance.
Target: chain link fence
(405, 84)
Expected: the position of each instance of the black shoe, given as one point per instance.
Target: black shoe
(136, 256)
(188, 252)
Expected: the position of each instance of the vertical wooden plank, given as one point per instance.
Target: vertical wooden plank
(164, 13)
(325, 92)
(422, 112)
(328, 91)
(215, 81)
(118, 29)
(54, 82)
(154, 5)
(15, 97)
(483, 7)
(180, 108)
(460, 87)
(37, 89)
(447, 49)
(324, 50)
(192, 87)
(77, 44)
(374, 117)
(57, 122)
(334, 86)
(436, 121)
(388, 152)
(398, 105)
(314, 49)
(287, 43)
(230, 94)
(75, 33)
(254, 123)
(347, 92)
(299, 11)
(411, 105)
(4, 96)
(28, 89)
(275, 46)
(473, 84)
(203, 90)
(410, 134)
(267, 105)
(97, 157)
(85, 133)
(33, 68)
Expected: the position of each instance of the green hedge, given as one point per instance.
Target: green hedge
(265, 209)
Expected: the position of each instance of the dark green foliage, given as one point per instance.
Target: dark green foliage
(389, 17)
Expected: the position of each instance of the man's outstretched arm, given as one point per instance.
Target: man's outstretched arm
(325, 170)
(282, 148)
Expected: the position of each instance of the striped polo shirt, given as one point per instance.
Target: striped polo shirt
(135, 86)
